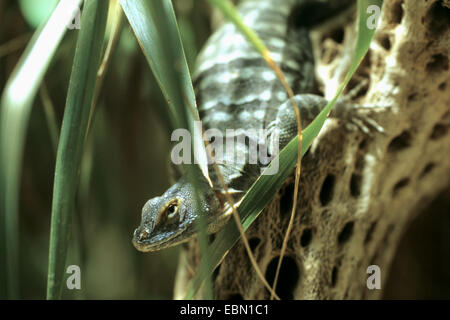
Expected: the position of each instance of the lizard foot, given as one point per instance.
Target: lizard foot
(362, 121)
(358, 117)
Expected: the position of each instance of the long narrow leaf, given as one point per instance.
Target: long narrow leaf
(155, 27)
(263, 190)
(73, 132)
(16, 102)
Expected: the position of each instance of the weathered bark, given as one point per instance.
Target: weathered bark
(358, 192)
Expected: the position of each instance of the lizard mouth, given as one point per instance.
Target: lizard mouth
(144, 241)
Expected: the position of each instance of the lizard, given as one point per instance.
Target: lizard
(236, 89)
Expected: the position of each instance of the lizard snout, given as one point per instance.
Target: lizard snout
(141, 234)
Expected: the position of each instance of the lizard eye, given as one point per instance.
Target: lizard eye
(169, 213)
(172, 210)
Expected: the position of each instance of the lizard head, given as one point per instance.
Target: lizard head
(172, 218)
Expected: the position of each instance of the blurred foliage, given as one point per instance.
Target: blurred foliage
(34, 14)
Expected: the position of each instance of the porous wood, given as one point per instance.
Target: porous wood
(358, 192)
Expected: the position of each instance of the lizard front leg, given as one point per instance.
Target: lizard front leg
(284, 128)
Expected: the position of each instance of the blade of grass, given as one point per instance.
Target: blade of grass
(16, 102)
(49, 110)
(113, 29)
(156, 30)
(13, 45)
(73, 133)
(159, 39)
(263, 190)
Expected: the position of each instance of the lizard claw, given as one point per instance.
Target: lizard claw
(358, 117)
(364, 123)
(355, 91)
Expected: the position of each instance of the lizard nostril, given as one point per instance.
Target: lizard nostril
(144, 234)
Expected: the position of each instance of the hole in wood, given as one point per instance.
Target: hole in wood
(437, 19)
(439, 130)
(385, 42)
(400, 185)
(346, 233)
(396, 13)
(306, 237)
(286, 200)
(253, 243)
(334, 276)
(400, 142)
(287, 279)
(337, 35)
(355, 185)
(438, 63)
(327, 190)
(412, 96)
(363, 144)
(427, 169)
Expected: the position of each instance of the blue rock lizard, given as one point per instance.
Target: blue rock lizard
(235, 89)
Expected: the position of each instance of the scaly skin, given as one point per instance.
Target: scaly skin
(235, 89)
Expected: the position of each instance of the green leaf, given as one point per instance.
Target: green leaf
(73, 133)
(37, 13)
(263, 190)
(16, 103)
(156, 30)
